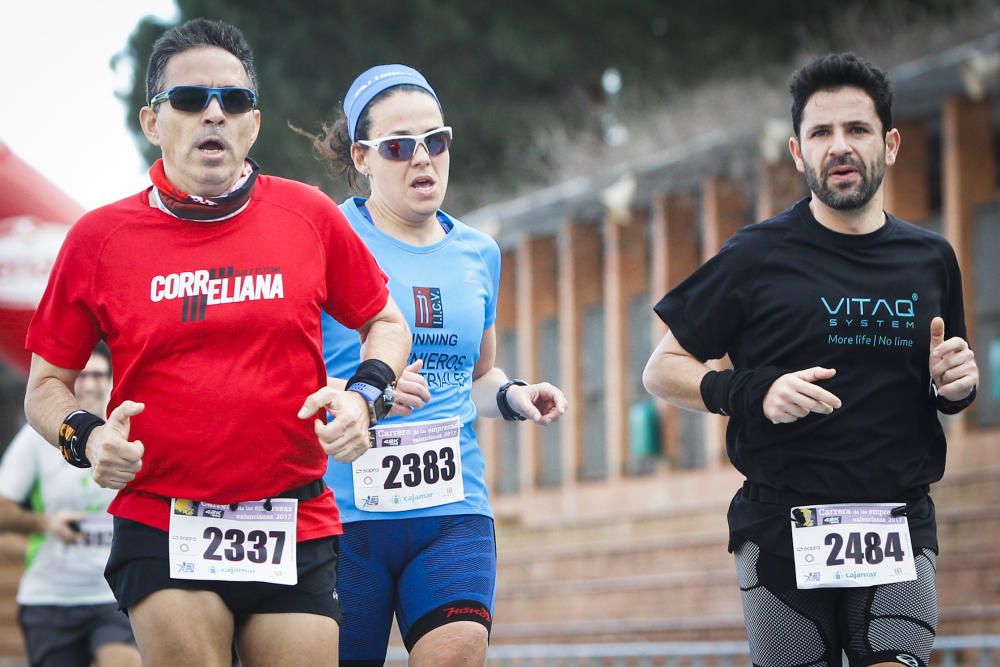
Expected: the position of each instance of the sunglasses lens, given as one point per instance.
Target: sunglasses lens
(397, 149)
(196, 98)
(237, 100)
(188, 98)
(437, 143)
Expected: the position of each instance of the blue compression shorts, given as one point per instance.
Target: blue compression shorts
(428, 571)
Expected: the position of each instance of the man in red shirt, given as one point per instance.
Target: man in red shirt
(208, 288)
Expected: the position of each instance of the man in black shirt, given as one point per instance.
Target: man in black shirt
(846, 330)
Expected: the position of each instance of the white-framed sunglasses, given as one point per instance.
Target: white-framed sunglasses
(401, 147)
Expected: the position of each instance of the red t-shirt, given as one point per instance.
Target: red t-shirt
(215, 326)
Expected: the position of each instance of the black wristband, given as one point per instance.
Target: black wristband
(373, 372)
(738, 393)
(507, 412)
(715, 391)
(954, 407)
(73, 435)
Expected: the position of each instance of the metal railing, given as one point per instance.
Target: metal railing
(965, 650)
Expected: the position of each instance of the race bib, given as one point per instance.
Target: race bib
(851, 545)
(249, 543)
(96, 530)
(410, 466)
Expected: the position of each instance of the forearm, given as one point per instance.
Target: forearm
(389, 342)
(47, 402)
(15, 519)
(386, 338)
(484, 392)
(675, 378)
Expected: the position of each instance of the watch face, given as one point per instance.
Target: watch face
(389, 396)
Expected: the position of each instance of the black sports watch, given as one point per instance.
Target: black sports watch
(379, 401)
(506, 411)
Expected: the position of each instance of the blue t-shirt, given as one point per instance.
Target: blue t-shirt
(447, 292)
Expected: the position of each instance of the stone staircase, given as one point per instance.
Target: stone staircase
(666, 575)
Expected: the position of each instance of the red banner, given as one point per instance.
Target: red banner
(34, 218)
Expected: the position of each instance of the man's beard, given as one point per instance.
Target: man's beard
(852, 198)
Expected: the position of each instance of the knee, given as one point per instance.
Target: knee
(461, 644)
(117, 655)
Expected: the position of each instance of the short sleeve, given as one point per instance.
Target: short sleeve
(64, 329)
(18, 468)
(492, 257)
(356, 287)
(707, 310)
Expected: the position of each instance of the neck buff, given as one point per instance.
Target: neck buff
(179, 204)
(373, 81)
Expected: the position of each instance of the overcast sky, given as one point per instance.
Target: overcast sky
(58, 110)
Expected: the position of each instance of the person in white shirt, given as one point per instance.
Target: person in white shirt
(66, 610)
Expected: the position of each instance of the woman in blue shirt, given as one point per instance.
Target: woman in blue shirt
(418, 540)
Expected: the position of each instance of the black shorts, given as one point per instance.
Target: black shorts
(140, 565)
(70, 636)
(809, 628)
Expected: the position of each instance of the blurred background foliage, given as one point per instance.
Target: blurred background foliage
(510, 75)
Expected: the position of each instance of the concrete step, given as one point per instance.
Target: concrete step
(969, 529)
(961, 578)
(957, 620)
(513, 538)
(645, 595)
(964, 578)
(962, 531)
(620, 557)
(977, 488)
(968, 487)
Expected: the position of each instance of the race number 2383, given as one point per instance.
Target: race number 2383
(851, 545)
(431, 466)
(412, 465)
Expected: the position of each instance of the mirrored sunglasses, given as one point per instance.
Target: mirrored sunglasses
(401, 147)
(197, 98)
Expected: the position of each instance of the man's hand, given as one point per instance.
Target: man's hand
(793, 396)
(346, 437)
(542, 403)
(952, 364)
(116, 459)
(58, 525)
(412, 392)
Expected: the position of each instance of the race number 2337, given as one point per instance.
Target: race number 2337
(251, 541)
(851, 545)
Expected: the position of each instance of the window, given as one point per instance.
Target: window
(550, 437)
(692, 439)
(985, 249)
(644, 427)
(594, 465)
(508, 476)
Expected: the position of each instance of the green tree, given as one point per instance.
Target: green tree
(504, 71)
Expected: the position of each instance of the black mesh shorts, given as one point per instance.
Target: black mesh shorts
(140, 565)
(810, 628)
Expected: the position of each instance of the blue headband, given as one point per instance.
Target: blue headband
(372, 82)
